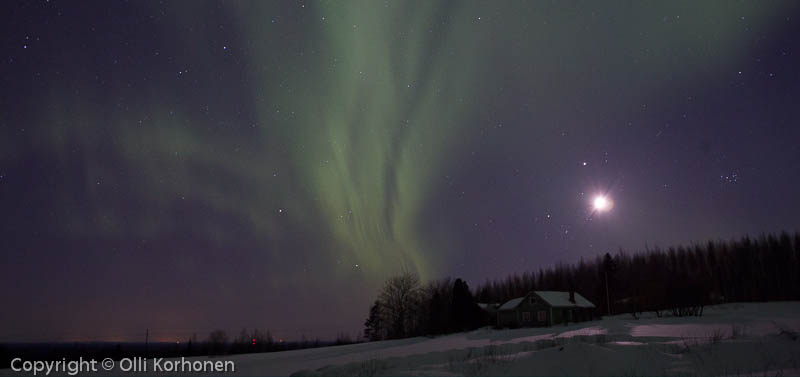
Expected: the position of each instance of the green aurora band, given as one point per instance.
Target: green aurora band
(350, 130)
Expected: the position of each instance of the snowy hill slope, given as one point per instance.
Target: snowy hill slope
(732, 339)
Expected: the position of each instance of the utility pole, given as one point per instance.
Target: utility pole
(146, 340)
(609, 266)
(608, 299)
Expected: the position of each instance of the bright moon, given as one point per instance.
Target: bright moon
(600, 203)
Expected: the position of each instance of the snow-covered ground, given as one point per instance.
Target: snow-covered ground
(732, 339)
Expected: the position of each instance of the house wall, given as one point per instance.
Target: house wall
(516, 317)
(507, 318)
(562, 315)
(559, 314)
(534, 308)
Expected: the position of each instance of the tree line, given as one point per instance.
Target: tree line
(677, 281)
(216, 343)
(406, 308)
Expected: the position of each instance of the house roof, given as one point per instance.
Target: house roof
(556, 299)
(511, 304)
(561, 299)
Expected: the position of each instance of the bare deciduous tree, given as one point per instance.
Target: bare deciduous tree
(399, 301)
(217, 342)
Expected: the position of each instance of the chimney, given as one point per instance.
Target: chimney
(571, 296)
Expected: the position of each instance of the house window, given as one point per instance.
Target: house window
(533, 300)
(542, 316)
(526, 316)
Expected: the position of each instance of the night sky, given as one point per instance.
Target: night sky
(186, 166)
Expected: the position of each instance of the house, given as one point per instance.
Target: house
(491, 310)
(545, 308)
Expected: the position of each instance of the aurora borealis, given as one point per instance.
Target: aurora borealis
(184, 166)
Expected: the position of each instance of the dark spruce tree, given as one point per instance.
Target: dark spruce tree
(372, 326)
(465, 313)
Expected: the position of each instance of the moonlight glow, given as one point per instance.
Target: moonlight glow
(601, 203)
